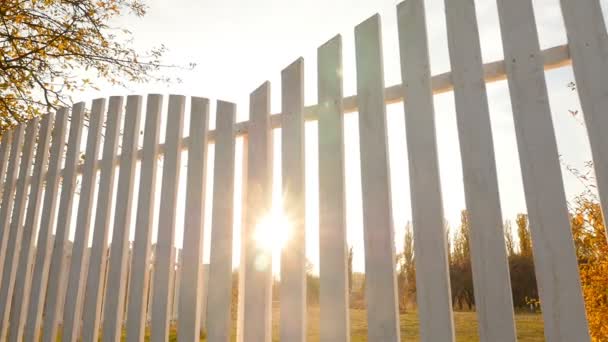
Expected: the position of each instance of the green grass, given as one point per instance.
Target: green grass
(529, 326)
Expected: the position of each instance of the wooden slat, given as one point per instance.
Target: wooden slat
(554, 256)
(432, 276)
(588, 44)
(164, 256)
(136, 308)
(15, 234)
(32, 220)
(98, 257)
(117, 276)
(55, 273)
(45, 238)
(4, 157)
(192, 253)
(72, 310)
(258, 261)
(293, 258)
(219, 294)
(380, 284)
(494, 304)
(8, 196)
(333, 249)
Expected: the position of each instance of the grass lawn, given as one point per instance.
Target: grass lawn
(529, 326)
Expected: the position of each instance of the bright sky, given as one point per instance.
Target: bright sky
(239, 44)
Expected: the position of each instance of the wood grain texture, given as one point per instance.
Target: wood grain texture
(554, 255)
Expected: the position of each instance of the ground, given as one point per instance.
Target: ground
(529, 326)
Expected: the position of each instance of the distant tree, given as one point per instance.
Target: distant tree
(523, 232)
(461, 275)
(48, 48)
(406, 278)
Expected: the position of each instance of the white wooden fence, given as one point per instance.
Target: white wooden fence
(46, 279)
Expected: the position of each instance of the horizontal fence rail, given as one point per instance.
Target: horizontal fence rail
(117, 287)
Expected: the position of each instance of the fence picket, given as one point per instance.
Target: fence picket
(73, 302)
(588, 43)
(379, 241)
(258, 261)
(98, 257)
(219, 293)
(4, 157)
(554, 255)
(164, 256)
(55, 275)
(45, 242)
(430, 245)
(8, 195)
(137, 302)
(117, 277)
(333, 250)
(293, 257)
(15, 233)
(494, 304)
(32, 219)
(192, 253)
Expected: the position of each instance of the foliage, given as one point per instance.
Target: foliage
(49, 47)
(592, 252)
(461, 274)
(406, 278)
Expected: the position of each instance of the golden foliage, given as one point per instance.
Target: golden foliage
(46, 46)
(592, 251)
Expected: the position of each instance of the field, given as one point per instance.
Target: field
(529, 326)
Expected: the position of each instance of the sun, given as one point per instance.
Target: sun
(273, 231)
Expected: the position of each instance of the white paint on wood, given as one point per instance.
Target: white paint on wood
(554, 255)
(32, 219)
(8, 196)
(192, 253)
(4, 156)
(430, 245)
(494, 304)
(333, 247)
(258, 261)
(379, 241)
(56, 272)
(588, 44)
(141, 289)
(219, 299)
(164, 256)
(293, 257)
(98, 257)
(117, 276)
(13, 242)
(73, 304)
(45, 237)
